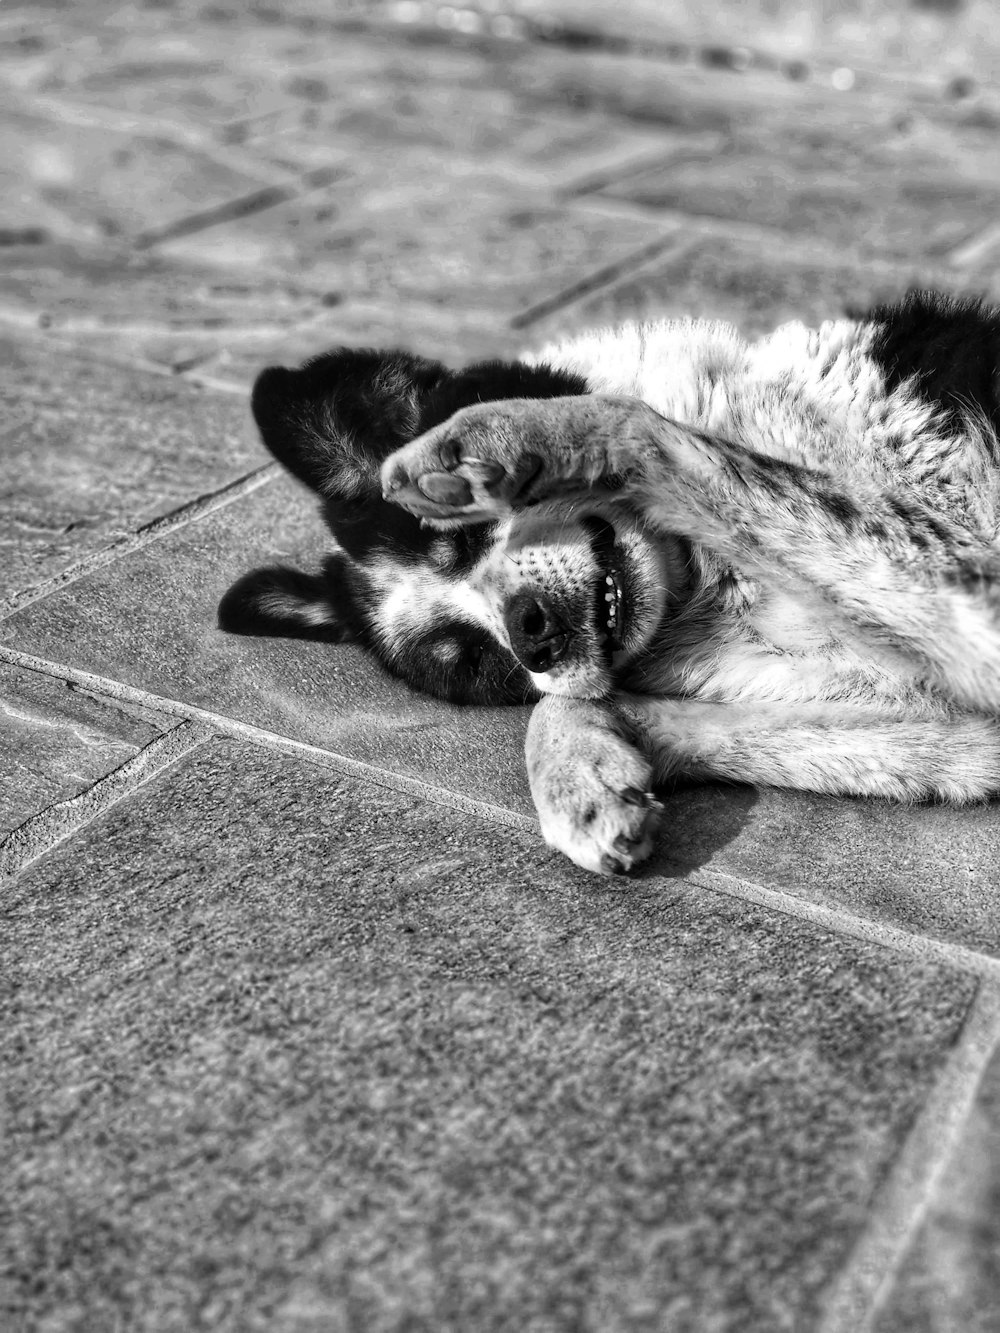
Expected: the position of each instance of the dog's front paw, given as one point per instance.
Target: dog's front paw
(591, 787)
(475, 466)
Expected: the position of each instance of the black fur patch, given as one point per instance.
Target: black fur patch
(462, 664)
(341, 411)
(949, 345)
(280, 602)
(331, 423)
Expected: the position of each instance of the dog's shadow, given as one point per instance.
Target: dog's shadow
(698, 820)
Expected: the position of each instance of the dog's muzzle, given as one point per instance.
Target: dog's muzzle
(539, 637)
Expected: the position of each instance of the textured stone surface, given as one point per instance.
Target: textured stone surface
(488, 242)
(754, 285)
(304, 1055)
(903, 192)
(928, 868)
(88, 183)
(228, 325)
(57, 741)
(290, 1053)
(950, 1281)
(151, 622)
(91, 452)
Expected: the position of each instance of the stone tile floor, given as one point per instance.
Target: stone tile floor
(303, 1027)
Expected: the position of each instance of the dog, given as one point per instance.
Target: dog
(772, 562)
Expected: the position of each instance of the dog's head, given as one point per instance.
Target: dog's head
(559, 598)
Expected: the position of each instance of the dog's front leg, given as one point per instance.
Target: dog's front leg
(491, 458)
(590, 784)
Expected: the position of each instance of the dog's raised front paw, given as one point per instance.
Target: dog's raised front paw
(475, 466)
(591, 787)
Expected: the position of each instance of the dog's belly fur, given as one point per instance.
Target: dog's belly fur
(812, 519)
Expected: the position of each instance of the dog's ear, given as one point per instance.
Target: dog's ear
(281, 602)
(333, 421)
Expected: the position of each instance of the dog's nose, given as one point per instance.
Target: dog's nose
(538, 637)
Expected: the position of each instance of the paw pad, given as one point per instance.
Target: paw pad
(445, 488)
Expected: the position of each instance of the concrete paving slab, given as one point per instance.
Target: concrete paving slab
(487, 243)
(889, 194)
(291, 100)
(92, 452)
(295, 1052)
(950, 1280)
(753, 282)
(224, 325)
(57, 741)
(326, 695)
(455, 336)
(421, 1071)
(103, 185)
(92, 292)
(930, 869)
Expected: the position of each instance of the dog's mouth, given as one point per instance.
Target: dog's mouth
(611, 585)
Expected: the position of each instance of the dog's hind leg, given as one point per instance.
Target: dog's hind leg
(837, 748)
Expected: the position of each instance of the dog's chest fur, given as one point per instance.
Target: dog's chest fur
(818, 397)
(815, 397)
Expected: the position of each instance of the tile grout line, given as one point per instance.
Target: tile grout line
(42, 832)
(688, 231)
(672, 246)
(190, 512)
(138, 124)
(921, 947)
(222, 725)
(897, 941)
(28, 329)
(774, 242)
(246, 205)
(856, 1297)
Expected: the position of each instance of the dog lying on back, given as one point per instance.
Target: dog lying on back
(774, 562)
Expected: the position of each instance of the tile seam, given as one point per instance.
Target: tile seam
(27, 327)
(192, 511)
(687, 231)
(919, 947)
(41, 832)
(922, 948)
(233, 728)
(795, 249)
(857, 1296)
(241, 206)
(672, 246)
(137, 124)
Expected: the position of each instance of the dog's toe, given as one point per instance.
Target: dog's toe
(602, 827)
